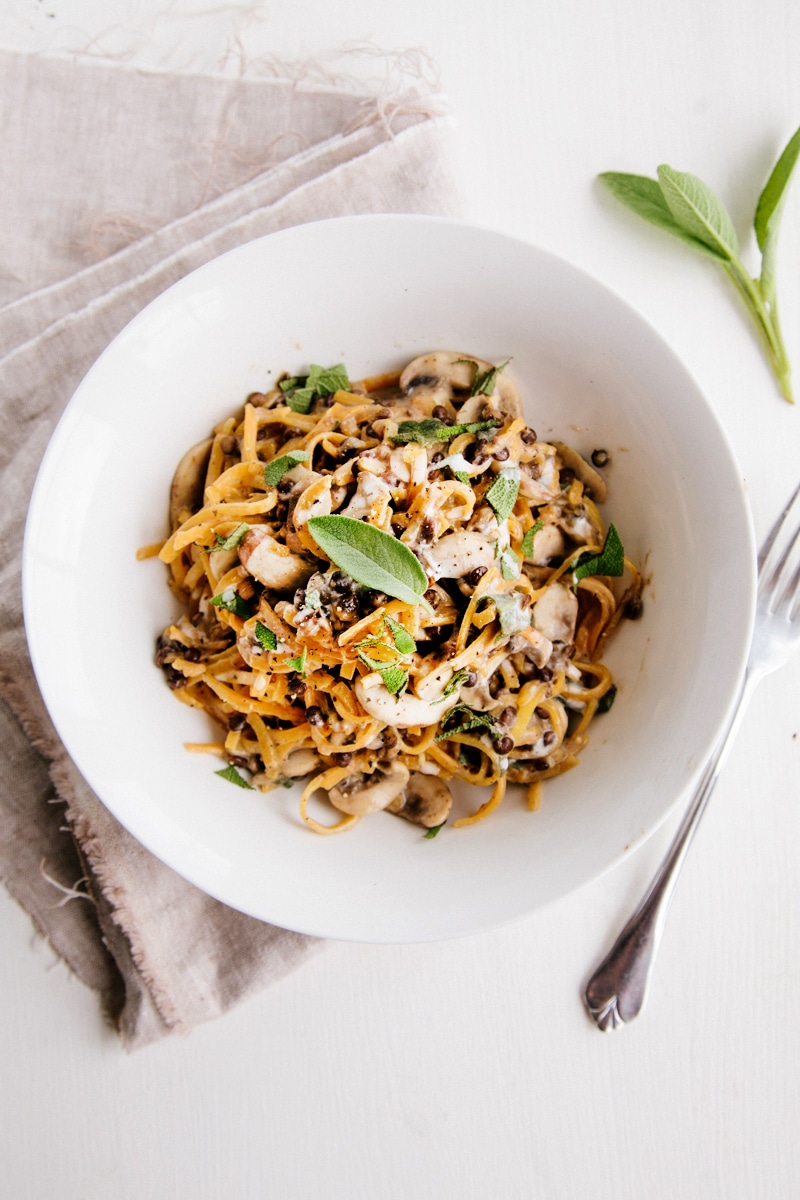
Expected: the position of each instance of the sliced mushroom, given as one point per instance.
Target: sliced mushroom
(548, 543)
(443, 371)
(188, 480)
(426, 801)
(271, 563)
(555, 613)
(360, 794)
(456, 554)
(401, 712)
(299, 763)
(371, 494)
(586, 473)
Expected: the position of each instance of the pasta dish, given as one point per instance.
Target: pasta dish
(391, 585)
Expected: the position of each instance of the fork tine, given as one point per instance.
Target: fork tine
(771, 548)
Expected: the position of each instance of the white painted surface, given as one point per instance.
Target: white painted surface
(468, 1069)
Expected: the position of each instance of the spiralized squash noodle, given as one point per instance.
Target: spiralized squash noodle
(375, 702)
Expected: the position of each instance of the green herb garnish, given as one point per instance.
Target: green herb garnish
(233, 539)
(434, 829)
(610, 560)
(232, 775)
(483, 381)
(527, 541)
(430, 431)
(475, 720)
(298, 664)
(266, 637)
(275, 471)
(513, 617)
(327, 380)
(502, 495)
(302, 390)
(681, 204)
(373, 558)
(607, 699)
(454, 683)
(232, 602)
(401, 637)
(393, 674)
(509, 564)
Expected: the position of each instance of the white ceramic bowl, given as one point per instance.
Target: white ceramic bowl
(373, 292)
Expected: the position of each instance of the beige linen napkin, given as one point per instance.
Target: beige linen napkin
(115, 183)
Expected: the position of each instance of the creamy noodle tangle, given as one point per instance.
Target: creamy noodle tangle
(389, 585)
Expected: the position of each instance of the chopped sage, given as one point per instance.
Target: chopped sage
(275, 471)
(607, 699)
(401, 637)
(233, 539)
(430, 431)
(527, 541)
(502, 495)
(610, 560)
(232, 775)
(266, 637)
(231, 601)
(434, 829)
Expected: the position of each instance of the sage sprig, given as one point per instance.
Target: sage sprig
(681, 204)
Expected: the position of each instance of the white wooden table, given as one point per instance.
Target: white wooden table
(470, 1069)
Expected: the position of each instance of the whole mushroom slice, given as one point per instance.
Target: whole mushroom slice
(443, 371)
(556, 613)
(187, 482)
(401, 712)
(360, 794)
(456, 554)
(271, 563)
(425, 801)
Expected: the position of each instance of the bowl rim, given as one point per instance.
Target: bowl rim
(44, 674)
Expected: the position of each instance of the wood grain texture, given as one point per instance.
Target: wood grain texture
(469, 1070)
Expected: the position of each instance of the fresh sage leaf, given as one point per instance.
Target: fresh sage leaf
(610, 560)
(373, 558)
(502, 495)
(266, 637)
(430, 431)
(434, 829)
(401, 637)
(232, 775)
(527, 541)
(699, 211)
(473, 720)
(289, 385)
(643, 196)
(327, 380)
(509, 565)
(232, 602)
(454, 683)
(686, 207)
(513, 617)
(298, 664)
(768, 215)
(395, 679)
(275, 471)
(300, 401)
(233, 539)
(484, 382)
(607, 699)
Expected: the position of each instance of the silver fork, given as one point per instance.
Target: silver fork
(616, 992)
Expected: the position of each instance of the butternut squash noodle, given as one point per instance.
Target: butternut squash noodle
(493, 676)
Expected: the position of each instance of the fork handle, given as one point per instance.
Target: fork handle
(616, 992)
